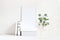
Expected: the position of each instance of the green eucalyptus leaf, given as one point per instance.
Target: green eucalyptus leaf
(45, 14)
(45, 24)
(39, 14)
(42, 24)
(44, 18)
(43, 21)
(40, 19)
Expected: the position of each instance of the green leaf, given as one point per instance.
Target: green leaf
(46, 24)
(40, 19)
(42, 24)
(39, 14)
(45, 14)
(45, 19)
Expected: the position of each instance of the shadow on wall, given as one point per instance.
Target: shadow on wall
(11, 29)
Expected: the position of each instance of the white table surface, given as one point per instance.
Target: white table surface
(10, 37)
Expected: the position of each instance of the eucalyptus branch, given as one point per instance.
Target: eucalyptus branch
(43, 20)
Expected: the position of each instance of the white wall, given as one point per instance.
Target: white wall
(9, 13)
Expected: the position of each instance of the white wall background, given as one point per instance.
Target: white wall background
(9, 13)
